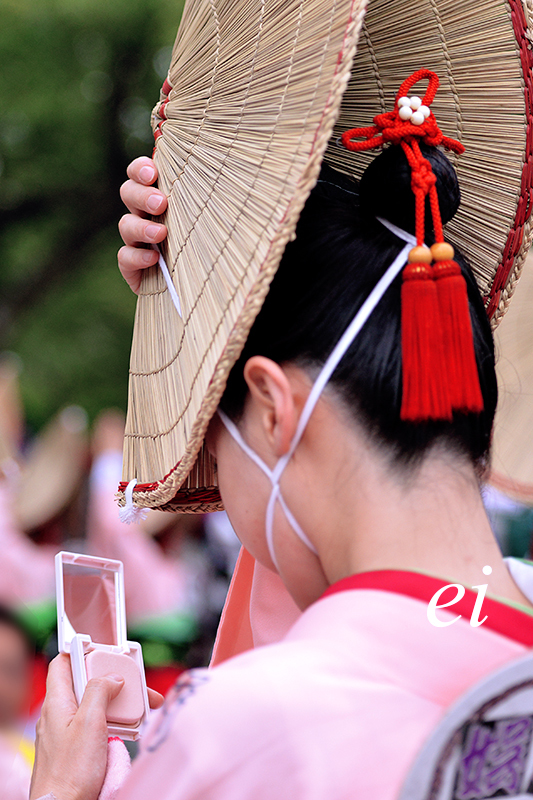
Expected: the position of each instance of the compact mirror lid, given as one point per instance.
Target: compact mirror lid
(90, 600)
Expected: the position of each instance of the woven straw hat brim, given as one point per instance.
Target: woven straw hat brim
(53, 470)
(253, 97)
(11, 412)
(512, 450)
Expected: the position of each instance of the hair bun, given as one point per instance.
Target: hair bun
(385, 188)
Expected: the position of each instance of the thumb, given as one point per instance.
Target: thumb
(98, 694)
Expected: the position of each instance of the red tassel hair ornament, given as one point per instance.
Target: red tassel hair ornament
(439, 370)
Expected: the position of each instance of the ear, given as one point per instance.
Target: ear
(271, 394)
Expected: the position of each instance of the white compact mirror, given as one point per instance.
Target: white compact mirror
(90, 600)
(91, 622)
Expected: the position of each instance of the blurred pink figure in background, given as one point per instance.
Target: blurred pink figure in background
(27, 571)
(155, 583)
(35, 488)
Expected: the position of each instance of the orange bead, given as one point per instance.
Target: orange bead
(420, 255)
(442, 251)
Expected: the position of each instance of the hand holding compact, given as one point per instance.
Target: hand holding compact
(71, 746)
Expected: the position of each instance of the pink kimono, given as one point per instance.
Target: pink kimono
(27, 570)
(338, 708)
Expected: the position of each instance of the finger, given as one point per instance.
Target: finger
(142, 170)
(59, 673)
(135, 231)
(98, 694)
(155, 699)
(60, 699)
(142, 200)
(132, 261)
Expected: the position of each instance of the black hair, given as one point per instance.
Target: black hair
(340, 252)
(10, 619)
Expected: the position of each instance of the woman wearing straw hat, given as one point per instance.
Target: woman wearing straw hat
(349, 409)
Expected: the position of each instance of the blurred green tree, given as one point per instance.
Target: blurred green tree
(79, 78)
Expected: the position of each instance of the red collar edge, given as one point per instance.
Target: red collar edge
(501, 618)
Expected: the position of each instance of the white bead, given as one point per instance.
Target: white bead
(415, 103)
(404, 101)
(417, 118)
(405, 112)
(425, 111)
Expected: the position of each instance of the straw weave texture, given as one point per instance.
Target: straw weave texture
(254, 92)
(247, 125)
(473, 49)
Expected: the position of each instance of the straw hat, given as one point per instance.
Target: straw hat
(53, 469)
(512, 450)
(257, 95)
(11, 413)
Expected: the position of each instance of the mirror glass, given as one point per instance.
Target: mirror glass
(90, 602)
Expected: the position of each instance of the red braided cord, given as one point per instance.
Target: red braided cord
(419, 75)
(439, 370)
(435, 213)
(389, 127)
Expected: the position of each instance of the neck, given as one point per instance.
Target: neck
(434, 523)
(368, 517)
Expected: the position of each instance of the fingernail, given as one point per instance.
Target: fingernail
(115, 677)
(154, 202)
(147, 174)
(151, 231)
(148, 256)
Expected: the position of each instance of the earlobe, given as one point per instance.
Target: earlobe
(272, 395)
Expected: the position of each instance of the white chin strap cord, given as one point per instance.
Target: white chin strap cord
(325, 374)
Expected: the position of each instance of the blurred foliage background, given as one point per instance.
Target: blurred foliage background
(79, 78)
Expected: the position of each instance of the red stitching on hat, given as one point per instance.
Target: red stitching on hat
(525, 202)
(161, 113)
